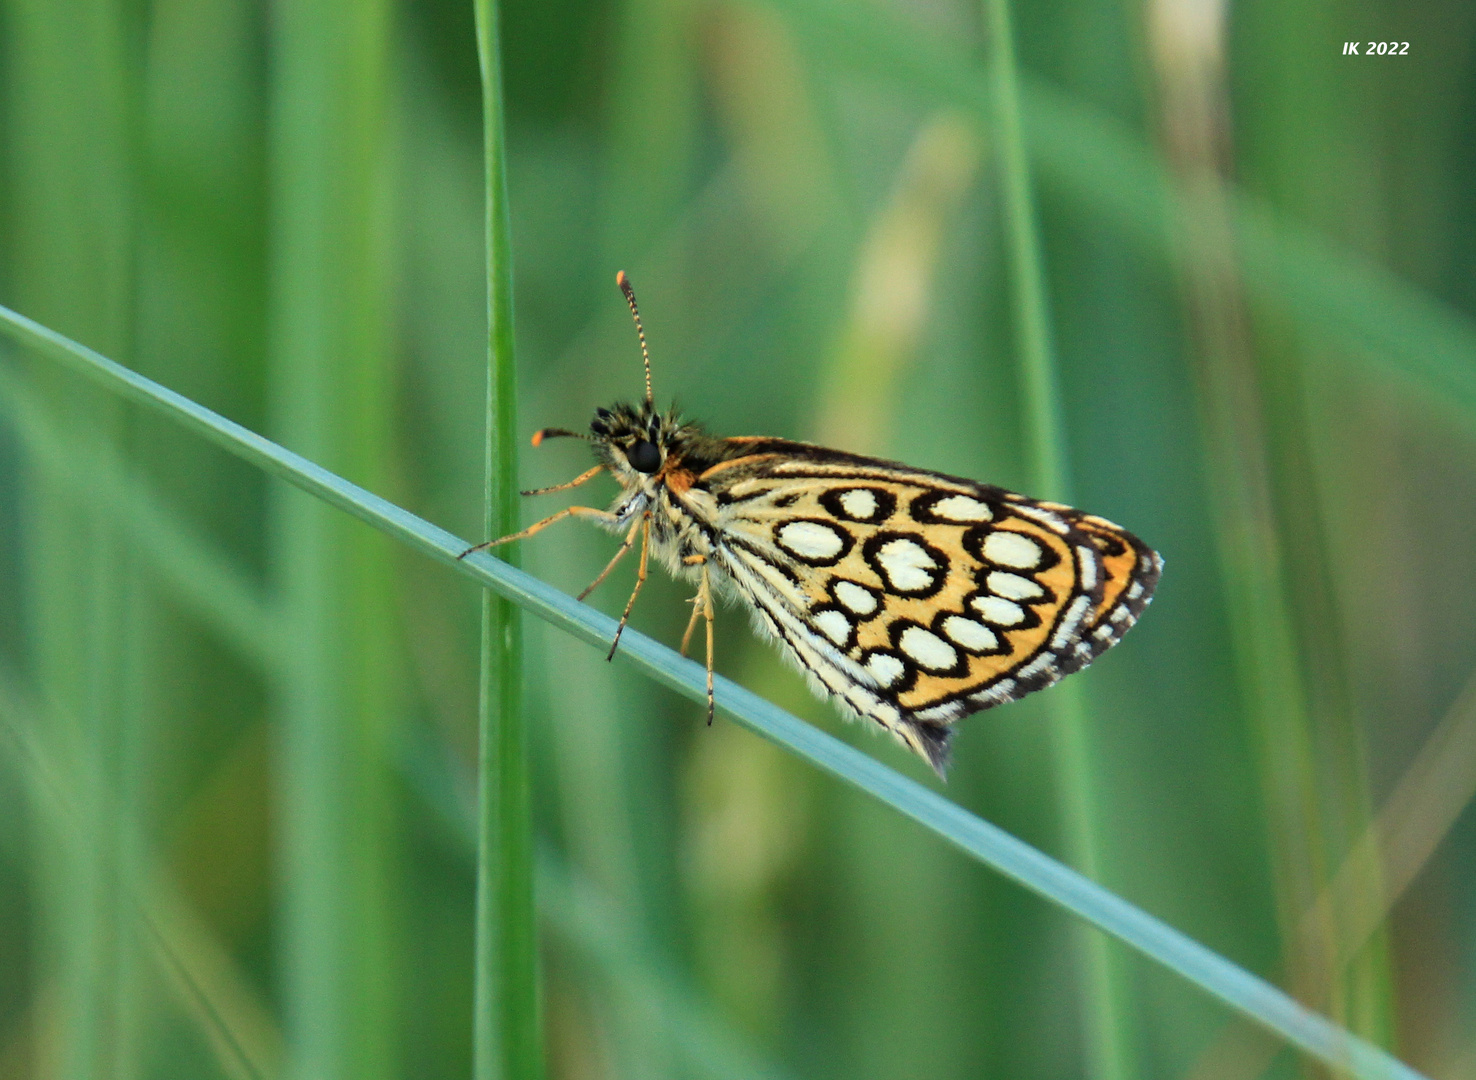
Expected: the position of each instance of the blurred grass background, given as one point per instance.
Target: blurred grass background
(259, 719)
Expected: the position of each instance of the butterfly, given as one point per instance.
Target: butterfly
(911, 597)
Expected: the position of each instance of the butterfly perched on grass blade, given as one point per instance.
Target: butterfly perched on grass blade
(911, 597)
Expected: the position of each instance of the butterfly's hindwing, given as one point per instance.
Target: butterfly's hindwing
(918, 598)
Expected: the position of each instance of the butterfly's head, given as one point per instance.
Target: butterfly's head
(635, 442)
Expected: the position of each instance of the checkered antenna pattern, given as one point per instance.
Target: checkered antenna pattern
(635, 313)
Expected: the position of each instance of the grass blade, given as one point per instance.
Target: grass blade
(71, 160)
(1107, 1033)
(1255, 998)
(507, 1035)
(330, 391)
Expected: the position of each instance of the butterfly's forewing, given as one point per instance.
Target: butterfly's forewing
(917, 598)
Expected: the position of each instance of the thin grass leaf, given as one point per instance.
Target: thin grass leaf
(330, 390)
(1108, 1034)
(72, 151)
(1254, 997)
(507, 1034)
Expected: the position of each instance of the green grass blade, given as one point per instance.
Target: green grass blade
(1257, 999)
(331, 384)
(507, 1034)
(1108, 1035)
(72, 227)
(1045, 427)
(1393, 327)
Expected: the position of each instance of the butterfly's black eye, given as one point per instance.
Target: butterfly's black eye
(643, 456)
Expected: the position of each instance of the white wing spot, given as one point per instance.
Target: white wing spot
(962, 508)
(927, 648)
(999, 611)
(859, 504)
(1011, 549)
(1044, 662)
(1087, 559)
(811, 540)
(1000, 691)
(853, 596)
(1013, 586)
(885, 667)
(834, 625)
(907, 564)
(1074, 614)
(971, 635)
(1051, 521)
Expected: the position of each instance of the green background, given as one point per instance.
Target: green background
(256, 719)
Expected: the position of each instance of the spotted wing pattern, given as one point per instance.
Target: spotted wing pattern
(916, 598)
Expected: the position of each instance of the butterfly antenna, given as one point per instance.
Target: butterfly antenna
(556, 433)
(630, 298)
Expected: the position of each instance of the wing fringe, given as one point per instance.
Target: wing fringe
(932, 741)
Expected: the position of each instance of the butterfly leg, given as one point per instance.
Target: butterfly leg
(701, 606)
(706, 600)
(620, 552)
(602, 516)
(691, 624)
(640, 580)
(696, 602)
(581, 478)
